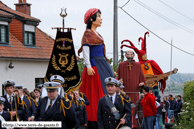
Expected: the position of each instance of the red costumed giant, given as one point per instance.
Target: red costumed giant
(148, 66)
(133, 77)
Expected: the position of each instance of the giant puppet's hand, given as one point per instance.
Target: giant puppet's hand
(90, 71)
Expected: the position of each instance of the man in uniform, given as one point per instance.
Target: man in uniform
(133, 78)
(28, 103)
(112, 108)
(60, 79)
(13, 102)
(4, 115)
(55, 108)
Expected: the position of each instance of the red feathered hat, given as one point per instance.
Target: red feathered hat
(141, 52)
(89, 13)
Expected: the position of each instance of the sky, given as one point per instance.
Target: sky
(48, 12)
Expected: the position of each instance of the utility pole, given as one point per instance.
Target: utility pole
(115, 33)
(170, 64)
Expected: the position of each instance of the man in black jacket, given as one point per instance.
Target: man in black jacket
(178, 108)
(55, 108)
(112, 108)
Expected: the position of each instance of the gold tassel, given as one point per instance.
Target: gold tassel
(24, 104)
(36, 104)
(29, 101)
(19, 102)
(64, 107)
(122, 99)
(11, 116)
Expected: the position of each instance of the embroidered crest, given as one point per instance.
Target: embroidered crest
(114, 109)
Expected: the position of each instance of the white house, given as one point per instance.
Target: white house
(24, 49)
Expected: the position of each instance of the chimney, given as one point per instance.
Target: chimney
(23, 7)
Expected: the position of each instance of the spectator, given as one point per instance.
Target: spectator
(159, 111)
(178, 108)
(172, 103)
(149, 109)
(164, 110)
(138, 111)
(151, 92)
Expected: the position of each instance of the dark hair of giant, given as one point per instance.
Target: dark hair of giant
(89, 22)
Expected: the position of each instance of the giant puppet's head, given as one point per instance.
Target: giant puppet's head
(142, 54)
(93, 17)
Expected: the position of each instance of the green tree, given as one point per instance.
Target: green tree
(187, 116)
(81, 66)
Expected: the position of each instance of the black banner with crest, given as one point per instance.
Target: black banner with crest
(63, 62)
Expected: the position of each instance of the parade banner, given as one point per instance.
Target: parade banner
(63, 62)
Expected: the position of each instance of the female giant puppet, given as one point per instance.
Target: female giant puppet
(97, 68)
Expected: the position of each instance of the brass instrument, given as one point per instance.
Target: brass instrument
(16, 108)
(151, 80)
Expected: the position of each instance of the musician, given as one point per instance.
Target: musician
(60, 79)
(84, 98)
(28, 103)
(12, 102)
(112, 108)
(55, 108)
(37, 94)
(80, 112)
(119, 86)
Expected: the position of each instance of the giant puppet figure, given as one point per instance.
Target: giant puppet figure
(97, 67)
(148, 66)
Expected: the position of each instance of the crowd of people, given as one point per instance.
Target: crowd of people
(150, 109)
(18, 104)
(114, 109)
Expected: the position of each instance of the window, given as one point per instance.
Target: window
(4, 34)
(29, 38)
(39, 81)
(29, 35)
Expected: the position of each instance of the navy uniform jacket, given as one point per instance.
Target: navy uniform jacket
(87, 102)
(57, 114)
(105, 117)
(129, 124)
(29, 106)
(7, 106)
(7, 116)
(80, 113)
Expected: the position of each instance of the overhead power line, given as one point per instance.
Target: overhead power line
(156, 34)
(177, 11)
(164, 17)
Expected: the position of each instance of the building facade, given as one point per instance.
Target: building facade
(24, 49)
